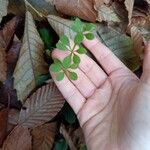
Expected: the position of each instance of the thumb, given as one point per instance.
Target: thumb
(146, 64)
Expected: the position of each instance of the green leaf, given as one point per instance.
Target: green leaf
(42, 79)
(74, 66)
(89, 27)
(82, 50)
(83, 147)
(89, 36)
(79, 38)
(46, 37)
(55, 67)
(77, 26)
(61, 46)
(73, 76)
(68, 114)
(61, 145)
(67, 62)
(57, 61)
(64, 40)
(76, 59)
(60, 76)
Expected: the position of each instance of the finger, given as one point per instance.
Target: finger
(70, 93)
(83, 84)
(92, 70)
(105, 57)
(146, 64)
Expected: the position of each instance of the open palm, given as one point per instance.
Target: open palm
(103, 97)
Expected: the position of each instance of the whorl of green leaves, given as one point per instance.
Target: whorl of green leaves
(72, 61)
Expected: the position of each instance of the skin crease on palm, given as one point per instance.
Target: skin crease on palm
(111, 103)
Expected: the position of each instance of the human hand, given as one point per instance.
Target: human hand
(111, 103)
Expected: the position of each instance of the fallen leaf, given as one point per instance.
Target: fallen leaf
(38, 8)
(107, 13)
(4, 91)
(79, 8)
(3, 8)
(13, 118)
(43, 136)
(98, 3)
(3, 124)
(61, 26)
(77, 136)
(148, 1)
(19, 138)
(129, 6)
(42, 106)
(6, 35)
(3, 65)
(31, 62)
(120, 44)
(138, 41)
(67, 137)
(12, 57)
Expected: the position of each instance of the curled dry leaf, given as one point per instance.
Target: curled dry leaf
(138, 41)
(31, 62)
(129, 6)
(19, 138)
(107, 13)
(3, 124)
(42, 106)
(81, 8)
(3, 8)
(43, 136)
(6, 35)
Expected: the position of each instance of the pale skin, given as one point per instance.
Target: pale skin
(112, 104)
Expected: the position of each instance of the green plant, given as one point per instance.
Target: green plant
(72, 60)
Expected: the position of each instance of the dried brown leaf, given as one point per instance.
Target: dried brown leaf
(98, 3)
(38, 8)
(81, 8)
(5, 90)
(129, 6)
(43, 136)
(6, 35)
(42, 106)
(107, 13)
(138, 41)
(13, 118)
(31, 62)
(148, 1)
(3, 124)
(18, 139)
(3, 8)
(67, 137)
(3, 65)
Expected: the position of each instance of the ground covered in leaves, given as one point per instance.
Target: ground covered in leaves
(33, 113)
